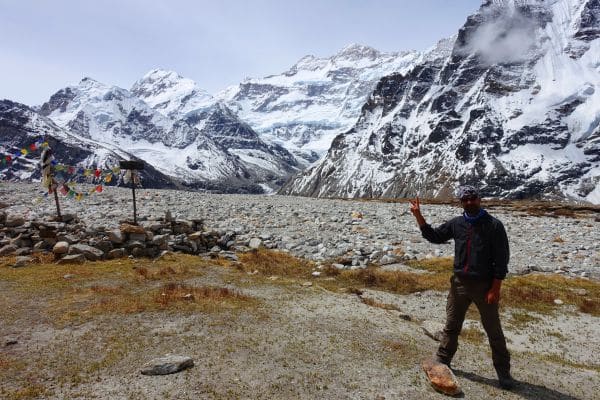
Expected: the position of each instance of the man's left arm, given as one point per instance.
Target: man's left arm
(501, 255)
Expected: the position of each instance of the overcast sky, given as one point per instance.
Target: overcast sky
(47, 45)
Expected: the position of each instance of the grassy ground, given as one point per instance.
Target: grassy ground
(264, 327)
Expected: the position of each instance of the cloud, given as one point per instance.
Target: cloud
(505, 36)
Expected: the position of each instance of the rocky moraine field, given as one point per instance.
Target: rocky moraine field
(277, 297)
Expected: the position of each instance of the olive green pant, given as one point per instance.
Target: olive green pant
(463, 292)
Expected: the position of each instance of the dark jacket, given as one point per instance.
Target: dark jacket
(480, 249)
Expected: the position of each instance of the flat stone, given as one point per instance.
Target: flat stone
(8, 249)
(433, 329)
(130, 228)
(116, 253)
(23, 251)
(139, 237)
(89, 252)
(22, 261)
(72, 259)
(167, 365)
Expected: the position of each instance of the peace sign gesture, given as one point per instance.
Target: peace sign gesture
(415, 209)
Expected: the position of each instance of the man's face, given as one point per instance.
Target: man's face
(471, 204)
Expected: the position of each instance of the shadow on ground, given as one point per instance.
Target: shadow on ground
(524, 389)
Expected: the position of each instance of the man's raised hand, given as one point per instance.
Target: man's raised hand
(415, 209)
(415, 206)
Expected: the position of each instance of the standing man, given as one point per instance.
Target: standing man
(480, 264)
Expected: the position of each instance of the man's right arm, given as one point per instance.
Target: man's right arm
(438, 235)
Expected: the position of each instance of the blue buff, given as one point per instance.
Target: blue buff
(476, 218)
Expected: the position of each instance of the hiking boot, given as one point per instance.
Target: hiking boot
(442, 361)
(506, 381)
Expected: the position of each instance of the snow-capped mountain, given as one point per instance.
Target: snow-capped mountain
(171, 94)
(304, 108)
(187, 149)
(182, 100)
(513, 109)
(20, 126)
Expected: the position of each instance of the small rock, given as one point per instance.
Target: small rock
(316, 273)
(433, 329)
(23, 251)
(307, 284)
(255, 243)
(580, 292)
(558, 302)
(10, 342)
(61, 248)
(130, 228)
(441, 377)
(68, 276)
(89, 252)
(22, 261)
(14, 220)
(167, 365)
(116, 253)
(116, 236)
(8, 249)
(72, 259)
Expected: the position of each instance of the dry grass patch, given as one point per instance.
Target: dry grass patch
(436, 264)
(520, 320)
(28, 391)
(270, 262)
(117, 286)
(556, 359)
(84, 304)
(472, 335)
(403, 353)
(178, 293)
(378, 304)
(536, 292)
(392, 281)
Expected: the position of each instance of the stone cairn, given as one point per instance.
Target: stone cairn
(71, 241)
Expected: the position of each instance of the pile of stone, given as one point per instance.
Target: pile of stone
(71, 241)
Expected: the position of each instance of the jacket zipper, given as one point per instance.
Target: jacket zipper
(466, 267)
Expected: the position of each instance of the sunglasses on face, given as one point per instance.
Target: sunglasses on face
(469, 198)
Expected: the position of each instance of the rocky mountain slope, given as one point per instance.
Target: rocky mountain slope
(201, 148)
(305, 107)
(20, 126)
(512, 109)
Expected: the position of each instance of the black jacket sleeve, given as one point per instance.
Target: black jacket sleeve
(501, 252)
(441, 234)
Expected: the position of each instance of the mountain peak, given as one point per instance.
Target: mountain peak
(357, 51)
(159, 73)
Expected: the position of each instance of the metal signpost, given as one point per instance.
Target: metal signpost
(132, 166)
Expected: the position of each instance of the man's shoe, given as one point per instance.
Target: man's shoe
(442, 361)
(506, 381)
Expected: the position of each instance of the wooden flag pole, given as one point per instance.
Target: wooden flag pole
(57, 205)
